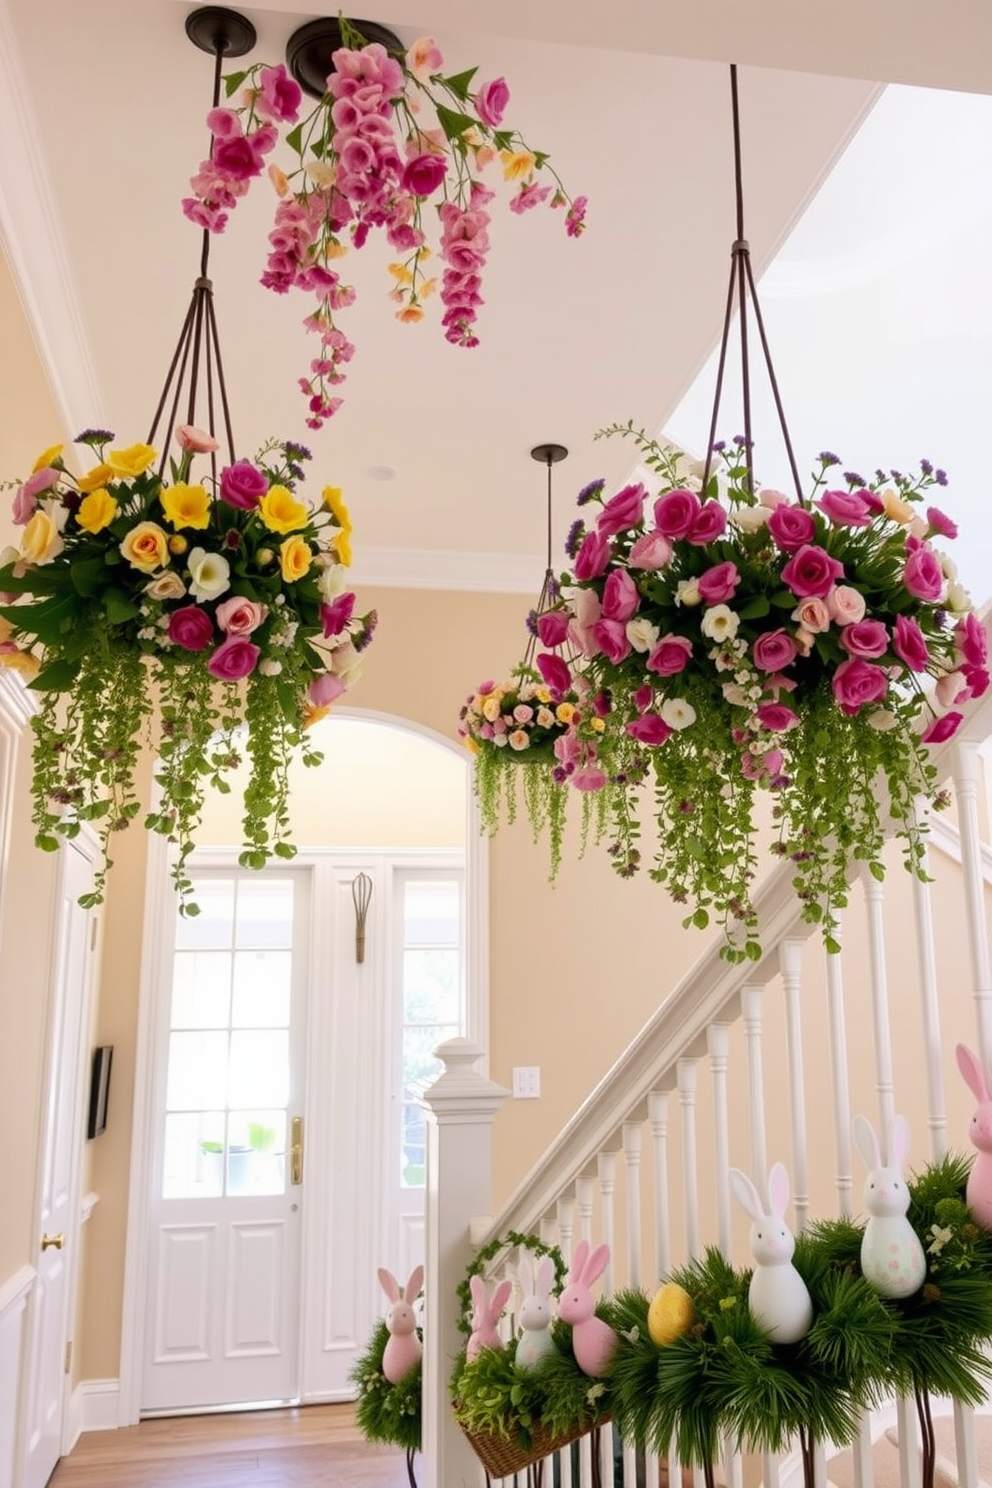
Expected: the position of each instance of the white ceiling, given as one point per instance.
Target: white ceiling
(101, 118)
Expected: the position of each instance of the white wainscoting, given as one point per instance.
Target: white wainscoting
(14, 1295)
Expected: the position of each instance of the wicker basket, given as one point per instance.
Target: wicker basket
(502, 1456)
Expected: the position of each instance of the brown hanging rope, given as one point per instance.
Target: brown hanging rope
(742, 283)
(198, 337)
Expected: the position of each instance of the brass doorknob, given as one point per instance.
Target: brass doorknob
(52, 1242)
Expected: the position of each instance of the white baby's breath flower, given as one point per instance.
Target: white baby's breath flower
(677, 713)
(719, 623)
(641, 634)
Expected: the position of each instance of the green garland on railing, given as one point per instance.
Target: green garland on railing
(489, 1252)
(493, 1394)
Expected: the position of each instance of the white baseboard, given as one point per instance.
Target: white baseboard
(95, 1406)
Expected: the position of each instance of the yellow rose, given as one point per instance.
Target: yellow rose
(97, 510)
(295, 558)
(48, 457)
(93, 479)
(186, 506)
(565, 712)
(40, 539)
(127, 463)
(21, 661)
(146, 547)
(331, 496)
(342, 546)
(597, 725)
(491, 708)
(280, 510)
(472, 745)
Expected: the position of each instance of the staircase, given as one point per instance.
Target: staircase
(643, 1163)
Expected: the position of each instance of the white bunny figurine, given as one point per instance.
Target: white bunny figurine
(892, 1257)
(593, 1341)
(486, 1313)
(535, 1342)
(403, 1347)
(979, 1191)
(777, 1296)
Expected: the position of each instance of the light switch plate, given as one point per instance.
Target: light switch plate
(526, 1082)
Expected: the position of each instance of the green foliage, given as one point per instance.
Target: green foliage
(385, 1412)
(494, 1395)
(499, 1246)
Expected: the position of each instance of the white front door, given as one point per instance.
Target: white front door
(58, 1209)
(230, 1151)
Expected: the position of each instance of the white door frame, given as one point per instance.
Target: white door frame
(153, 966)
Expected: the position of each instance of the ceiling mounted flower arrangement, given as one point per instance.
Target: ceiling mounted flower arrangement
(715, 642)
(394, 143)
(207, 613)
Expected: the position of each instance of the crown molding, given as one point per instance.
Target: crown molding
(31, 232)
(436, 568)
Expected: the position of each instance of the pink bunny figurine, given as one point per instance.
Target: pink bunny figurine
(486, 1313)
(593, 1341)
(979, 1192)
(403, 1348)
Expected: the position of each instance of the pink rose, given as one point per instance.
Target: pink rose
(238, 616)
(867, 639)
(977, 679)
(191, 628)
(554, 671)
(791, 527)
(423, 174)
(941, 523)
(196, 441)
(552, 627)
(813, 615)
(845, 508)
(718, 584)
(620, 597)
(857, 682)
(846, 605)
(324, 689)
(26, 499)
(708, 524)
(770, 498)
(335, 616)
(969, 640)
(670, 656)
(242, 485)
(909, 643)
(942, 728)
(237, 158)
(611, 638)
(773, 650)
(651, 551)
(675, 513)
(280, 95)
(490, 102)
(923, 575)
(625, 509)
(233, 659)
(643, 697)
(776, 717)
(649, 729)
(811, 570)
(593, 556)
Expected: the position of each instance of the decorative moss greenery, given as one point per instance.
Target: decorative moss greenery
(497, 1246)
(494, 1395)
(385, 1412)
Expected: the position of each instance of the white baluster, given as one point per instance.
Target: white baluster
(880, 1008)
(790, 964)
(926, 958)
(632, 1158)
(565, 1216)
(584, 1198)
(717, 1045)
(686, 1069)
(658, 1117)
(839, 1078)
(752, 1007)
(606, 1164)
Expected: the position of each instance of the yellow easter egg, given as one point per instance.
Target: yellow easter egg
(670, 1313)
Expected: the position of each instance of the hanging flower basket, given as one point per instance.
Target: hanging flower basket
(729, 645)
(209, 623)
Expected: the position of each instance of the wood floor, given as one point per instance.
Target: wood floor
(316, 1446)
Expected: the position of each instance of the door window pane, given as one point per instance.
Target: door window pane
(201, 989)
(262, 989)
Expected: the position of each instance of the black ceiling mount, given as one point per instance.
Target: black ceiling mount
(215, 29)
(549, 454)
(308, 50)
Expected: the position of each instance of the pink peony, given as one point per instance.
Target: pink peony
(423, 174)
(233, 659)
(845, 508)
(649, 729)
(909, 643)
(191, 628)
(323, 690)
(942, 728)
(237, 616)
(923, 575)
(620, 596)
(490, 102)
(670, 656)
(867, 639)
(791, 527)
(593, 556)
(611, 638)
(709, 523)
(242, 485)
(718, 584)
(857, 682)
(625, 509)
(552, 627)
(773, 650)
(554, 671)
(675, 513)
(810, 570)
(651, 551)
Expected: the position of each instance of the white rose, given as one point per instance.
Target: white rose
(947, 566)
(751, 518)
(735, 695)
(882, 719)
(641, 634)
(210, 574)
(167, 586)
(677, 713)
(720, 623)
(957, 599)
(688, 593)
(332, 581)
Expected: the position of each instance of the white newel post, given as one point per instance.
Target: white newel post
(460, 1107)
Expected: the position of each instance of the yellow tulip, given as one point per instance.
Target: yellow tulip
(40, 539)
(97, 510)
(146, 547)
(98, 476)
(280, 511)
(186, 506)
(48, 457)
(295, 558)
(331, 496)
(127, 463)
(516, 164)
(342, 546)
